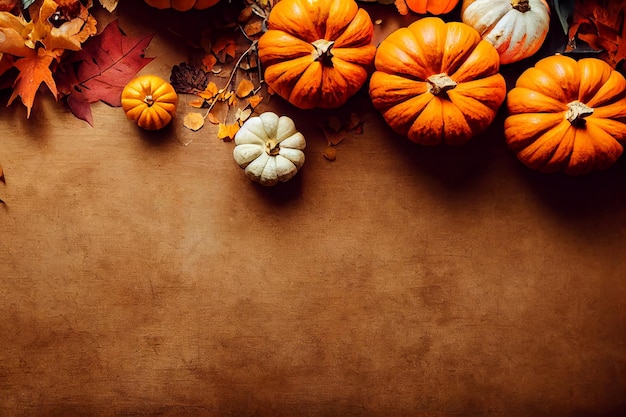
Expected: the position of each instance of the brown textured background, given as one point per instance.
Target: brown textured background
(143, 277)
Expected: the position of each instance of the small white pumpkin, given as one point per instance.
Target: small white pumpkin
(269, 148)
(516, 28)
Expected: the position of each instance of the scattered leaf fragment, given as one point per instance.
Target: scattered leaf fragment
(334, 137)
(193, 121)
(209, 62)
(244, 88)
(242, 115)
(330, 153)
(197, 103)
(254, 100)
(227, 132)
(212, 119)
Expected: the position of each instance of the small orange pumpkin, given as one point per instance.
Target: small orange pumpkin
(435, 7)
(317, 53)
(567, 115)
(149, 101)
(182, 5)
(437, 82)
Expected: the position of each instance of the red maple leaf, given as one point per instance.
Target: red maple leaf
(100, 70)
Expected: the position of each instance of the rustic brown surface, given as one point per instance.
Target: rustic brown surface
(143, 277)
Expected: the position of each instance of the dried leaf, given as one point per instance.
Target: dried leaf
(212, 119)
(101, 69)
(254, 100)
(209, 62)
(227, 132)
(193, 121)
(197, 103)
(33, 71)
(188, 79)
(242, 115)
(334, 137)
(330, 153)
(253, 28)
(210, 91)
(110, 5)
(224, 45)
(244, 88)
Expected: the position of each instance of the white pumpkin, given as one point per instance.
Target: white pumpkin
(269, 148)
(516, 28)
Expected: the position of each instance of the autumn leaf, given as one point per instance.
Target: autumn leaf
(330, 153)
(188, 79)
(110, 5)
(254, 100)
(193, 121)
(101, 70)
(600, 24)
(227, 132)
(213, 119)
(33, 71)
(244, 88)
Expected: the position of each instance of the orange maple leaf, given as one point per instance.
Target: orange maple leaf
(34, 69)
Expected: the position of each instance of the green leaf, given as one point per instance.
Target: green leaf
(564, 9)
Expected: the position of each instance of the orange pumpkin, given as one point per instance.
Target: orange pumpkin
(567, 115)
(437, 82)
(317, 53)
(149, 101)
(182, 5)
(431, 6)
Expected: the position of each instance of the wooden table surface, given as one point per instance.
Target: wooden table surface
(144, 275)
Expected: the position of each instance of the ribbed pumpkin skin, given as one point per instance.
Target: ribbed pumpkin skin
(182, 5)
(149, 101)
(300, 66)
(435, 7)
(516, 28)
(411, 64)
(567, 115)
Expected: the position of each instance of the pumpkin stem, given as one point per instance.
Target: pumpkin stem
(440, 83)
(323, 52)
(522, 6)
(149, 100)
(273, 148)
(577, 112)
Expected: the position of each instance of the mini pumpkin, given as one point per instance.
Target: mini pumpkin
(317, 53)
(182, 5)
(435, 7)
(567, 115)
(269, 148)
(149, 101)
(516, 28)
(437, 82)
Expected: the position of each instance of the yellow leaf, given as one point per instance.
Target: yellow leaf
(227, 132)
(193, 121)
(244, 88)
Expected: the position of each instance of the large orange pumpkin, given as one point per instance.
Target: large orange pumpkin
(567, 115)
(437, 82)
(317, 53)
(182, 5)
